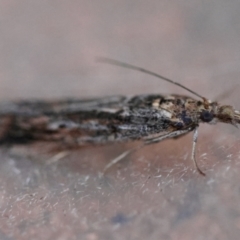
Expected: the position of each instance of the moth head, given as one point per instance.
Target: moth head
(228, 114)
(207, 110)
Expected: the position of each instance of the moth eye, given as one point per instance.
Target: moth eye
(206, 116)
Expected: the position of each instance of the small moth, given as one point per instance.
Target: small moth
(150, 118)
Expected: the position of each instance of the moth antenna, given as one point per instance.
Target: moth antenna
(130, 66)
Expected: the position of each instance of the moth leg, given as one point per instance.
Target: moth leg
(177, 137)
(195, 137)
(120, 157)
(146, 142)
(179, 134)
(168, 135)
(159, 139)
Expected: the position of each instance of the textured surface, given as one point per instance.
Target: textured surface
(48, 50)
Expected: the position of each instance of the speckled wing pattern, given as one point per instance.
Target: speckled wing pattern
(79, 122)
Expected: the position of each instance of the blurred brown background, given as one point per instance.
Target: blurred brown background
(48, 50)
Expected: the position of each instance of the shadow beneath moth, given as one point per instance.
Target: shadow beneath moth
(76, 122)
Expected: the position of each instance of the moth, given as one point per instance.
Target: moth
(149, 118)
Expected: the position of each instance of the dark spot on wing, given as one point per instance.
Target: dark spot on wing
(178, 102)
(185, 118)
